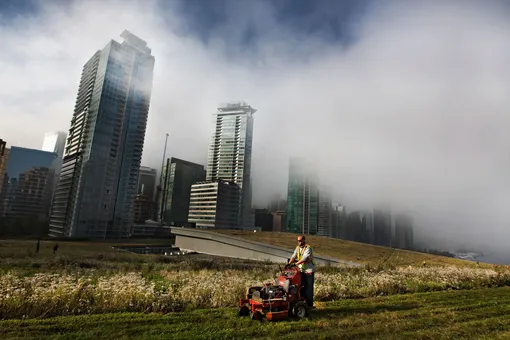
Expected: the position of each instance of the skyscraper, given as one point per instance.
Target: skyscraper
(324, 222)
(403, 231)
(4, 154)
(302, 198)
(144, 205)
(55, 142)
(147, 182)
(229, 157)
(339, 222)
(98, 181)
(28, 184)
(382, 226)
(177, 181)
(214, 204)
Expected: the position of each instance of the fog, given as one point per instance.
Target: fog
(413, 111)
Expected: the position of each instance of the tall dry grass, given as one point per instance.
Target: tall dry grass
(164, 290)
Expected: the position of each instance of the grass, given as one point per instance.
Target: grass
(90, 278)
(475, 314)
(353, 251)
(19, 256)
(90, 290)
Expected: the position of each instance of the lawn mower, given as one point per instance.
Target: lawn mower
(276, 301)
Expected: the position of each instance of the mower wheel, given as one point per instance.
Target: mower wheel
(256, 315)
(300, 310)
(243, 311)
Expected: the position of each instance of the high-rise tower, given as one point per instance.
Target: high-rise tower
(230, 151)
(98, 181)
(302, 198)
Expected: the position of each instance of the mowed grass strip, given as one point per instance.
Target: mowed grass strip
(352, 251)
(476, 314)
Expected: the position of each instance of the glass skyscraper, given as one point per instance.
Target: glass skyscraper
(28, 183)
(4, 156)
(98, 181)
(55, 142)
(302, 199)
(178, 178)
(229, 157)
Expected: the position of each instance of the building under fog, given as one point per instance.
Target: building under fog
(98, 181)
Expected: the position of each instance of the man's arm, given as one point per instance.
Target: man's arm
(306, 256)
(293, 257)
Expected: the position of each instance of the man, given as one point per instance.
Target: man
(304, 256)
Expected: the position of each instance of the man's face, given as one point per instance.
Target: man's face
(300, 241)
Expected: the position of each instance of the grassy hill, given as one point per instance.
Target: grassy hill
(88, 290)
(478, 314)
(352, 251)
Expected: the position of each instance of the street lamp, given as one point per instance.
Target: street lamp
(161, 183)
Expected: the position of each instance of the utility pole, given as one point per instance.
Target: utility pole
(161, 183)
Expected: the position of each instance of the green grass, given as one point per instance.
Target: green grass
(476, 314)
(452, 314)
(19, 256)
(353, 251)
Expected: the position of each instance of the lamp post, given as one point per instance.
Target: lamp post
(161, 183)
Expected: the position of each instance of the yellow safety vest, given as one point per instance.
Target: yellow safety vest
(300, 256)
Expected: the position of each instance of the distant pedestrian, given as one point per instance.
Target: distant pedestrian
(55, 248)
(37, 246)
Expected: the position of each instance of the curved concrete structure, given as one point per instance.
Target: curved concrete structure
(212, 243)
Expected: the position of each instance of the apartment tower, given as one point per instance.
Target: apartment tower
(98, 181)
(229, 157)
(302, 198)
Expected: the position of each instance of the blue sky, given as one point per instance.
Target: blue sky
(330, 19)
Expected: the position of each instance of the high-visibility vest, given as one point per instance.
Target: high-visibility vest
(300, 256)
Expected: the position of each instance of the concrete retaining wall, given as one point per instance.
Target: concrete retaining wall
(212, 243)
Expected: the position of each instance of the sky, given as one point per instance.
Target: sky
(396, 102)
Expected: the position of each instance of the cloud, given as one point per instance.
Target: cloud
(413, 112)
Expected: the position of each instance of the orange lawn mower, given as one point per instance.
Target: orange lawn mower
(276, 302)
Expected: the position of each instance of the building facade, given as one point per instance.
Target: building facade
(324, 222)
(382, 227)
(178, 177)
(98, 181)
(355, 228)
(229, 157)
(4, 156)
(147, 182)
(339, 222)
(302, 199)
(143, 209)
(264, 219)
(367, 219)
(55, 142)
(276, 204)
(403, 231)
(28, 184)
(215, 205)
(280, 221)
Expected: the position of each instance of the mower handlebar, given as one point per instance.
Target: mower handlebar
(290, 265)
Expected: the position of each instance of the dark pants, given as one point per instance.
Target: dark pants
(308, 283)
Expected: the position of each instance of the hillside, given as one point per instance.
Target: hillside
(477, 314)
(352, 251)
